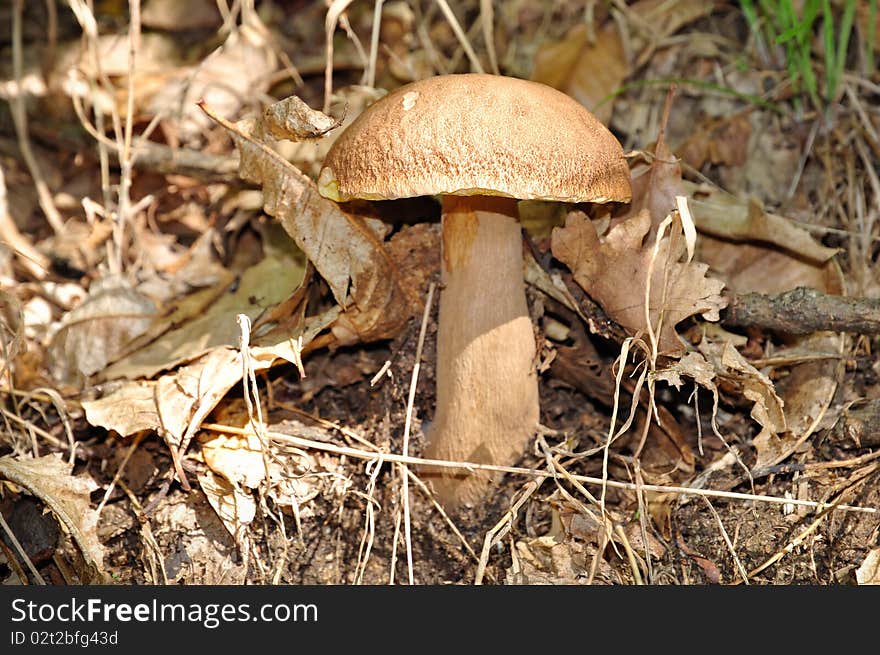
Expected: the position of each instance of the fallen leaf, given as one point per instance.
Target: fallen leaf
(235, 507)
(592, 70)
(613, 270)
(726, 217)
(588, 71)
(657, 184)
(868, 572)
(764, 253)
(718, 140)
(734, 369)
(718, 363)
(176, 404)
(293, 120)
(347, 250)
(98, 330)
(291, 479)
(240, 69)
(49, 479)
(259, 288)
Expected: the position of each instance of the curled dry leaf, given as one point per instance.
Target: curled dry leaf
(613, 270)
(544, 560)
(235, 507)
(176, 404)
(589, 70)
(294, 120)
(721, 362)
(347, 250)
(655, 185)
(49, 479)
(259, 288)
(732, 219)
(291, 481)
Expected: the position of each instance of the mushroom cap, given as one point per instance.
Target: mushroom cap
(475, 134)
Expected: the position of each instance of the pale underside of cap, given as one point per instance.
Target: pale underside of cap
(476, 135)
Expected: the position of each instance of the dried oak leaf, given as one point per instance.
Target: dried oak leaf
(613, 270)
(723, 362)
(49, 479)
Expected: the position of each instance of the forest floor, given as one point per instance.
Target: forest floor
(181, 388)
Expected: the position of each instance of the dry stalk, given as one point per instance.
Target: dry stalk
(515, 470)
(503, 526)
(630, 554)
(21, 552)
(370, 79)
(366, 545)
(19, 119)
(407, 426)
(476, 66)
(156, 560)
(739, 565)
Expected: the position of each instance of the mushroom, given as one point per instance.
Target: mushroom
(481, 142)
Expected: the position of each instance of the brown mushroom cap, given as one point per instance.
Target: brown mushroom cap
(476, 135)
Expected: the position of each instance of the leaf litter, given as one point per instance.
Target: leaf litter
(157, 351)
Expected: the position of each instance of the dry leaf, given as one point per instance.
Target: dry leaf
(128, 408)
(177, 403)
(734, 369)
(260, 287)
(294, 120)
(237, 71)
(544, 560)
(348, 251)
(235, 507)
(869, 571)
(613, 270)
(291, 480)
(656, 185)
(727, 217)
(49, 479)
(721, 141)
(721, 363)
(99, 329)
(769, 254)
(590, 72)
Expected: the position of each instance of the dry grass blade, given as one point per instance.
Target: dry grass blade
(32, 259)
(617, 484)
(487, 19)
(407, 426)
(19, 119)
(331, 20)
(10, 535)
(739, 565)
(476, 66)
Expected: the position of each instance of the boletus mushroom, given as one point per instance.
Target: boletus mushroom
(481, 142)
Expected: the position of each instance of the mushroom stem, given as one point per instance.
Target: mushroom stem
(487, 387)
